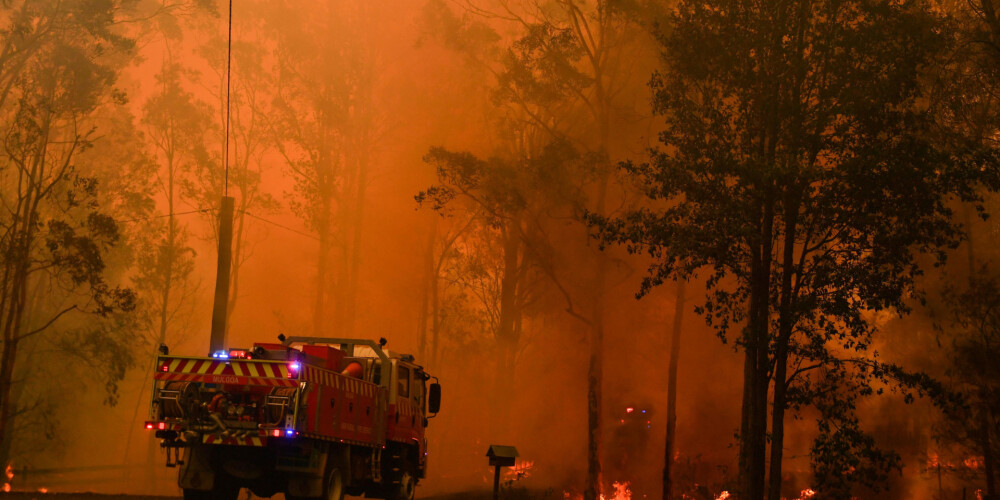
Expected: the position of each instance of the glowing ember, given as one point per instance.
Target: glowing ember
(807, 493)
(9, 472)
(43, 490)
(723, 496)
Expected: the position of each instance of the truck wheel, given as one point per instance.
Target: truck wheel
(406, 488)
(335, 485)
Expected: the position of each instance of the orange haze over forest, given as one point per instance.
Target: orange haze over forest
(397, 79)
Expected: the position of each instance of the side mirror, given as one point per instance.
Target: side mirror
(434, 398)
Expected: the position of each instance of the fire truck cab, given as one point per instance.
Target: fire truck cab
(309, 417)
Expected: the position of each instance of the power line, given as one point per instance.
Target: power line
(140, 219)
(206, 210)
(282, 226)
(229, 77)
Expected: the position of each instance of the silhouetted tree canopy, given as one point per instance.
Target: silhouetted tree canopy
(803, 171)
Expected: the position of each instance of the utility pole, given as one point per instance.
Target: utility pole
(219, 309)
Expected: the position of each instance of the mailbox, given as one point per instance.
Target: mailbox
(500, 456)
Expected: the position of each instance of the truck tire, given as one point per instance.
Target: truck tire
(332, 490)
(406, 487)
(335, 485)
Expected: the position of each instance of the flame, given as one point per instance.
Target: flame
(520, 471)
(43, 490)
(807, 493)
(723, 496)
(9, 472)
(622, 492)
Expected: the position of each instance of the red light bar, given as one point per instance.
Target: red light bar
(161, 425)
(276, 433)
(239, 354)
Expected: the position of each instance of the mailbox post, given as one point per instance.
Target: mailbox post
(500, 456)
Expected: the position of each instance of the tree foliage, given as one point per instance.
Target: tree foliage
(58, 65)
(803, 171)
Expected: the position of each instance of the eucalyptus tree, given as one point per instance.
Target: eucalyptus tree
(329, 120)
(803, 171)
(564, 68)
(174, 123)
(58, 65)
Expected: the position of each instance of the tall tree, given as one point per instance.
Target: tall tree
(329, 124)
(973, 326)
(174, 123)
(675, 349)
(497, 199)
(803, 171)
(564, 73)
(59, 65)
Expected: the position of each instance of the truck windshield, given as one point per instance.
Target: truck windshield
(403, 389)
(418, 391)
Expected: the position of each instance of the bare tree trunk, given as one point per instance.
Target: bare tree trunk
(595, 370)
(17, 390)
(509, 311)
(986, 444)
(984, 438)
(435, 320)
(239, 235)
(595, 378)
(785, 324)
(675, 351)
(322, 270)
(12, 332)
(357, 224)
(753, 438)
(430, 275)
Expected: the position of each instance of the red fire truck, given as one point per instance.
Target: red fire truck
(309, 417)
